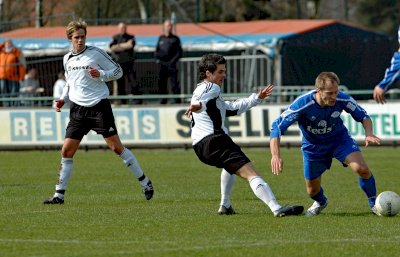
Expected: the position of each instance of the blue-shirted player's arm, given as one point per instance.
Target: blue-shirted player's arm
(354, 109)
(369, 134)
(279, 126)
(392, 75)
(282, 123)
(360, 115)
(379, 95)
(276, 160)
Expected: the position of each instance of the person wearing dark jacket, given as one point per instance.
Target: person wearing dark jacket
(167, 54)
(122, 51)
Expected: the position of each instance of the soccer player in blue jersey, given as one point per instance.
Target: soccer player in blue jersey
(324, 138)
(392, 75)
(87, 68)
(212, 144)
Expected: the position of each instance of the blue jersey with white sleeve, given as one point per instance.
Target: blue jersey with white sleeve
(319, 124)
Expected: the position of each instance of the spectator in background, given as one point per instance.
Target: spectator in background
(58, 88)
(392, 75)
(167, 54)
(29, 87)
(12, 71)
(122, 46)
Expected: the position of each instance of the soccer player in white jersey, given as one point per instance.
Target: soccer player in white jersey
(325, 137)
(392, 75)
(210, 137)
(87, 68)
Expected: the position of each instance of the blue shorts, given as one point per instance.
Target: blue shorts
(318, 158)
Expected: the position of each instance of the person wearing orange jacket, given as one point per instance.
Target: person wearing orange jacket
(12, 71)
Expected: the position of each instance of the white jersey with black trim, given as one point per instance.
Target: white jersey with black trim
(210, 119)
(82, 88)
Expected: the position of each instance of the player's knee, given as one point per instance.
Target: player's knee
(116, 150)
(67, 153)
(116, 147)
(363, 171)
(311, 191)
(365, 175)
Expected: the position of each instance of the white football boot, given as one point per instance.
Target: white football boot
(315, 209)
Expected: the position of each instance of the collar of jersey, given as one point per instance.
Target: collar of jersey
(72, 52)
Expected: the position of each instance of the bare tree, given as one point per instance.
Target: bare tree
(39, 13)
(379, 15)
(142, 11)
(332, 10)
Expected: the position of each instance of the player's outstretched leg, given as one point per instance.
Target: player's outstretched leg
(289, 211)
(262, 190)
(133, 165)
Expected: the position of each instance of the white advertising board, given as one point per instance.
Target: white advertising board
(168, 126)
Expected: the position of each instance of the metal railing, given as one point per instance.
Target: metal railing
(245, 74)
(286, 95)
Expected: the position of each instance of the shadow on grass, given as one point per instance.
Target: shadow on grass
(351, 214)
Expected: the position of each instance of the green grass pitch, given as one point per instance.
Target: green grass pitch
(106, 214)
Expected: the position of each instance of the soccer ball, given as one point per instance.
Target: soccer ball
(388, 203)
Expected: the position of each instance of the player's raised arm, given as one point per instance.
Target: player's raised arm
(265, 92)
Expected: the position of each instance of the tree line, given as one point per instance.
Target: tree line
(376, 15)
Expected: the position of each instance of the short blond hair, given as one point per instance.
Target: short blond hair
(75, 26)
(325, 76)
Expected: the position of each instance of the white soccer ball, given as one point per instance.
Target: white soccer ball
(388, 203)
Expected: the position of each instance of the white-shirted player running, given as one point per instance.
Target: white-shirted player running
(215, 147)
(87, 68)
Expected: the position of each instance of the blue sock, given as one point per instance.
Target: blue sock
(369, 188)
(320, 197)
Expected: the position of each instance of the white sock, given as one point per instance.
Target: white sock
(133, 165)
(227, 181)
(262, 190)
(63, 176)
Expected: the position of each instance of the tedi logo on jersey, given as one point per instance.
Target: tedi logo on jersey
(71, 68)
(322, 128)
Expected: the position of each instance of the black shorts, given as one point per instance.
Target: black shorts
(220, 151)
(99, 118)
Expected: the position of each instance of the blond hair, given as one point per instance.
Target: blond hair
(325, 76)
(75, 26)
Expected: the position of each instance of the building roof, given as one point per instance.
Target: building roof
(213, 36)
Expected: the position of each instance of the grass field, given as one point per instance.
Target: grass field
(106, 214)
